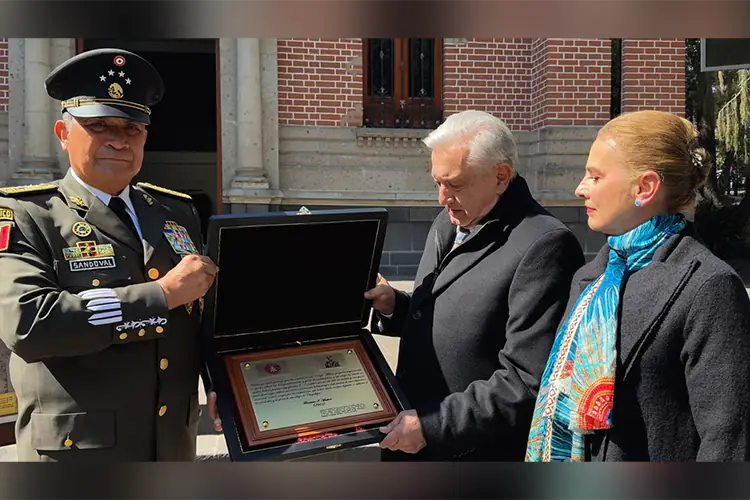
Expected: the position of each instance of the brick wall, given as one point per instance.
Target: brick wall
(320, 81)
(489, 74)
(530, 83)
(4, 75)
(653, 75)
(571, 82)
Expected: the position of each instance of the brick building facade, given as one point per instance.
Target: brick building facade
(338, 122)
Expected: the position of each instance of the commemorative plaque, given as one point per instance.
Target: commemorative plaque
(295, 370)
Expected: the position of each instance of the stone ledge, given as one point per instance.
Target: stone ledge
(292, 196)
(359, 198)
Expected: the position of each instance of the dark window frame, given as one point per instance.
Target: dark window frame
(400, 110)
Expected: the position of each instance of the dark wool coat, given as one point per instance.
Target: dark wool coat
(682, 390)
(477, 329)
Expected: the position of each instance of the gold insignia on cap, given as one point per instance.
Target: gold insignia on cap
(6, 214)
(89, 101)
(81, 229)
(115, 91)
(78, 201)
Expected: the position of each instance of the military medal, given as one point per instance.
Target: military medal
(179, 239)
(81, 229)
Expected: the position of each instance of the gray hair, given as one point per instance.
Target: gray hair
(68, 119)
(487, 137)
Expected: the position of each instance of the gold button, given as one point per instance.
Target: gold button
(123, 336)
(162, 410)
(164, 363)
(95, 282)
(153, 273)
(159, 329)
(141, 332)
(68, 443)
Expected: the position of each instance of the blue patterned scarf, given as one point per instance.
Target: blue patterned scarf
(576, 394)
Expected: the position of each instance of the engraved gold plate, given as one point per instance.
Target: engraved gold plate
(307, 390)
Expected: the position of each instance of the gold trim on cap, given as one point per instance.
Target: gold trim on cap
(88, 101)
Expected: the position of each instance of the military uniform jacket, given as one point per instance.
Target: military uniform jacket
(103, 371)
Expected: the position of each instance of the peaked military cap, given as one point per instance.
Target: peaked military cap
(106, 83)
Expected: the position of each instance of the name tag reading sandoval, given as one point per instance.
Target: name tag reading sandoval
(87, 256)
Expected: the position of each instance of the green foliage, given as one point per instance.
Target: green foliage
(734, 113)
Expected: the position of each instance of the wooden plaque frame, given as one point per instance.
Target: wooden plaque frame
(246, 413)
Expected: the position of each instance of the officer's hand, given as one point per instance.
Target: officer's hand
(188, 281)
(383, 296)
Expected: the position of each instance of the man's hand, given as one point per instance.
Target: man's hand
(404, 433)
(213, 413)
(188, 281)
(383, 296)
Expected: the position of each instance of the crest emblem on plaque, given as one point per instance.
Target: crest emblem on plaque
(272, 368)
(332, 363)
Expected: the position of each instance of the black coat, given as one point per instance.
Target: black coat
(477, 329)
(682, 390)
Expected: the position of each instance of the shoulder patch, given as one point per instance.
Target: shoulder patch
(6, 214)
(20, 190)
(147, 186)
(5, 228)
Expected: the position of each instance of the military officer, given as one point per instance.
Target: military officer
(102, 283)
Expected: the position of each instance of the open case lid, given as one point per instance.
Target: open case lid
(291, 276)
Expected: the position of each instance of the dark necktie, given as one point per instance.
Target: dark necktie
(119, 208)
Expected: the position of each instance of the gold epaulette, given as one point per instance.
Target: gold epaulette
(147, 186)
(20, 190)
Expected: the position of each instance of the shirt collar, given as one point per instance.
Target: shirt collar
(104, 197)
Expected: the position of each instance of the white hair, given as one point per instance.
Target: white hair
(68, 119)
(487, 137)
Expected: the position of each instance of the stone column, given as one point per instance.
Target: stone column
(249, 173)
(62, 50)
(39, 163)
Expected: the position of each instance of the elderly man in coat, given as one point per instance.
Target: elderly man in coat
(489, 293)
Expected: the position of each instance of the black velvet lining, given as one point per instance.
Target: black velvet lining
(287, 276)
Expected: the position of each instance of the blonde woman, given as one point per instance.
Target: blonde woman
(652, 359)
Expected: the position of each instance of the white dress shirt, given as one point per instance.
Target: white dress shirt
(104, 198)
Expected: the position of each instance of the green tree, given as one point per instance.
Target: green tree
(719, 105)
